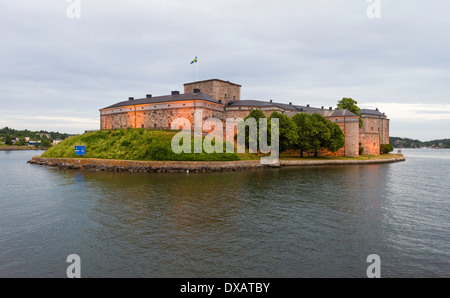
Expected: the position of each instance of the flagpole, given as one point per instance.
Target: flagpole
(197, 70)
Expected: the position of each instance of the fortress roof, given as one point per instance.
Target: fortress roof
(164, 98)
(211, 80)
(371, 112)
(290, 107)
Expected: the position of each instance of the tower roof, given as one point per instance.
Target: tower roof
(211, 80)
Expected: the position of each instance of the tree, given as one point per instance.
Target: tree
(8, 140)
(321, 134)
(351, 105)
(386, 148)
(256, 114)
(305, 130)
(337, 138)
(288, 131)
(46, 143)
(21, 142)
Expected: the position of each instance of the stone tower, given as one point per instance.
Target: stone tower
(222, 91)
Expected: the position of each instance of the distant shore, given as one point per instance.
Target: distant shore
(112, 165)
(19, 148)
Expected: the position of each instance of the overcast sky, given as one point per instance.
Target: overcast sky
(57, 72)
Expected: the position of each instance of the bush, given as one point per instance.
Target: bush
(386, 148)
(361, 149)
(8, 140)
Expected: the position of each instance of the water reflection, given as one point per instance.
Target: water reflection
(291, 222)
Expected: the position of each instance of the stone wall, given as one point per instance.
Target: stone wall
(350, 127)
(370, 142)
(376, 124)
(158, 116)
(186, 166)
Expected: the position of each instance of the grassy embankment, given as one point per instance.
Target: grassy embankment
(134, 144)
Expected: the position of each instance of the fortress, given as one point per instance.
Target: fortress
(222, 99)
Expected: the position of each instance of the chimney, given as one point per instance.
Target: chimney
(196, 90)
(322, 107)
(270, 101)
(307, 105)
(148, 95)
(175, 92)
(130, 98)
(331, 108)
(290, 103)
(376, 109)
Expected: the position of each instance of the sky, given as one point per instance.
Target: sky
(60, 65)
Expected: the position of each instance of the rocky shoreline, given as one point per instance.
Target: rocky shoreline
(111, 165)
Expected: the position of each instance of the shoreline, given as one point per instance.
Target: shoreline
(111, 165)
(16, 148)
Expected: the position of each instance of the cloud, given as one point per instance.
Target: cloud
(415, 112)
(312, 52)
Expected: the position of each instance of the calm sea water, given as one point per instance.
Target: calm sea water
(296, 222)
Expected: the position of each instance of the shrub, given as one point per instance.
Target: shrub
(386, 148)
(361, 149)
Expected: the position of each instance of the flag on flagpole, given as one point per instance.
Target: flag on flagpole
(194, 61)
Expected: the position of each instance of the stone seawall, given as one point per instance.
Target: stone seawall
(183, 166)
(338, 162)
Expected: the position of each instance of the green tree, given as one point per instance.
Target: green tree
(256, 114)
(321, 134)
(386, 148)
(288, 131)
(305, 130)
(8, 140)
(337, 139)
(46, 143)
(21, 142)
(351, 105)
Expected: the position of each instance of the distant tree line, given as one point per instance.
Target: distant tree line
(8, 135)
(411, 143)
(303, 132)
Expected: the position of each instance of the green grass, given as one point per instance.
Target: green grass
(131, 144)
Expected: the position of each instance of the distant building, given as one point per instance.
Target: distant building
(222, 99)
(47, 135)
(56, 141)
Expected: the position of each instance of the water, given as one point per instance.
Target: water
(290, 222)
